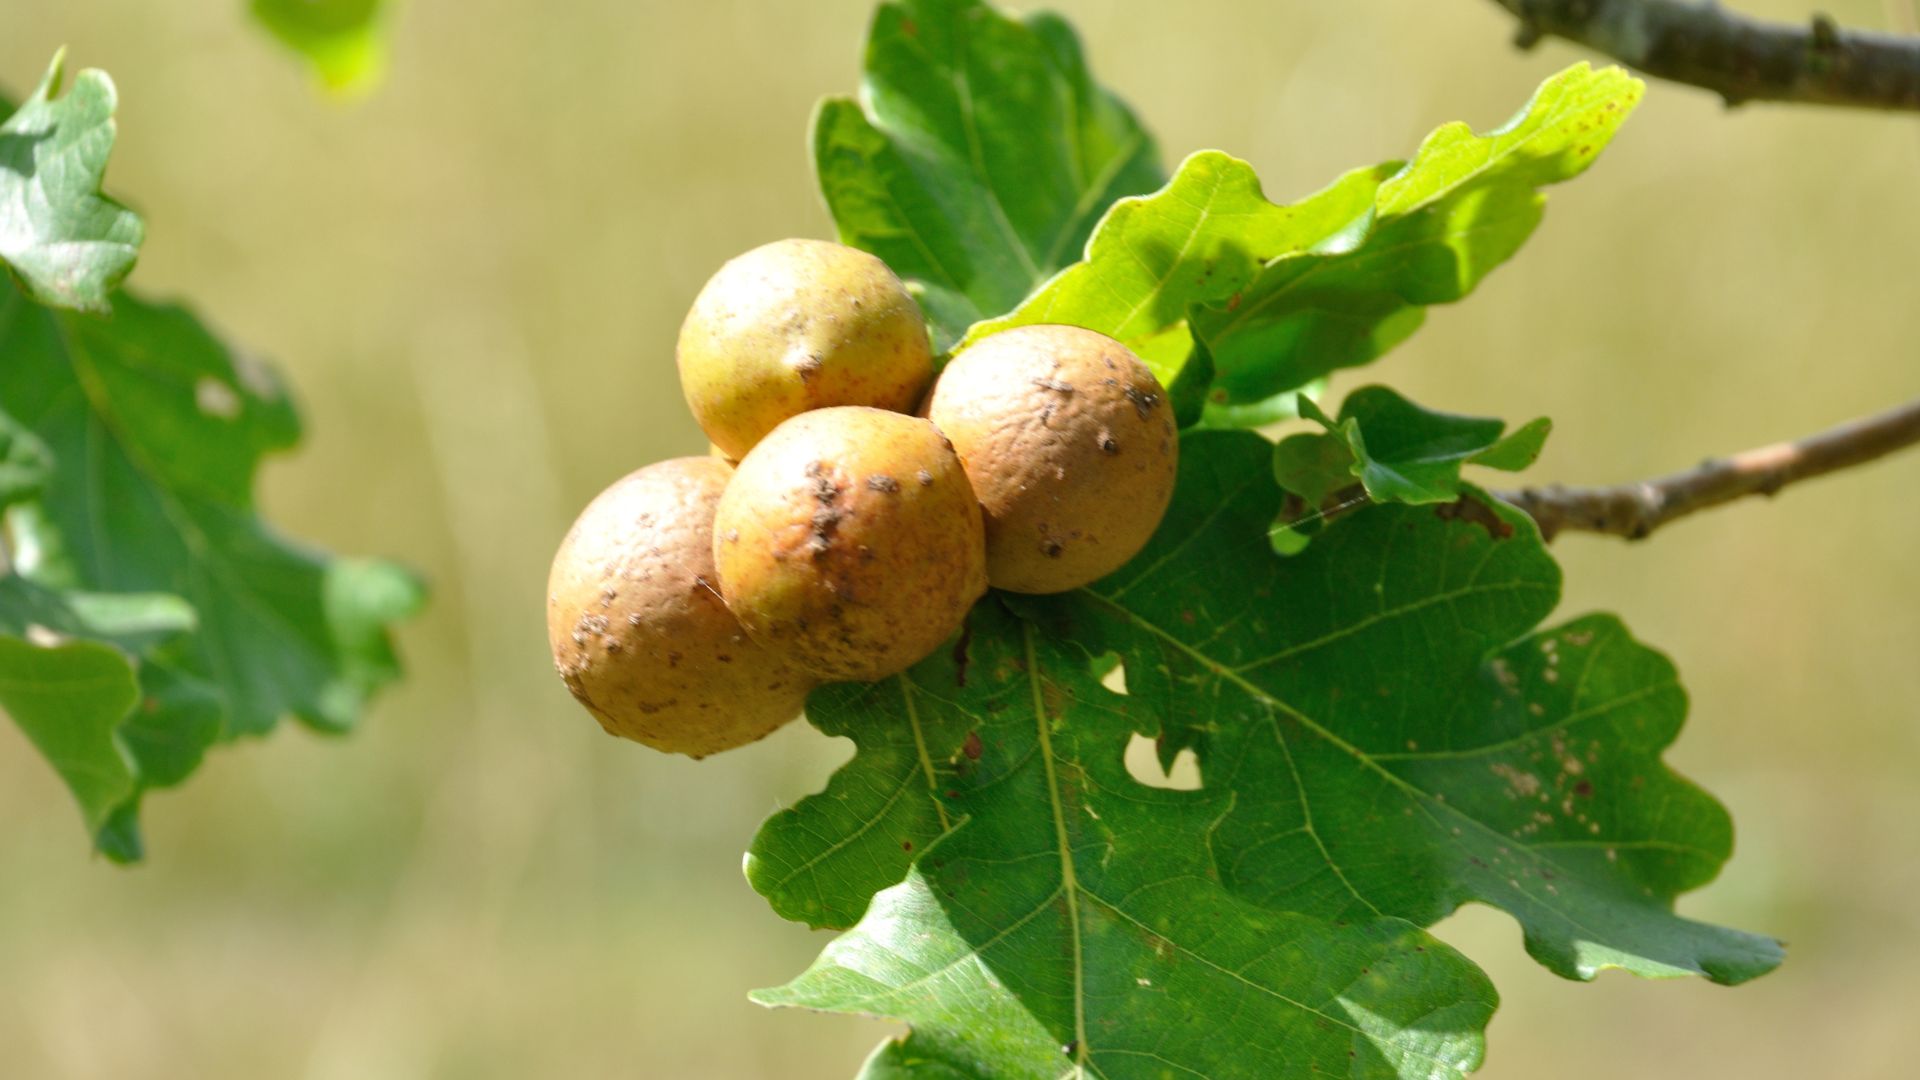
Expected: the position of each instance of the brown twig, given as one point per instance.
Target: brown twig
(1738, 57)
(1635, 510)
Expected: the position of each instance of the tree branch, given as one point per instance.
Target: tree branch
(1736, 56)
(1635, 510)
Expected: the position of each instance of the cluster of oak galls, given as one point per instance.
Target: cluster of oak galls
(848, 517)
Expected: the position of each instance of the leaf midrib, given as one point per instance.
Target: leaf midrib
(1069, 882)
(1423, 799)
(1072, 892)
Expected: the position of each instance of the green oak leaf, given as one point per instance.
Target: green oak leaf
(820, 861)
(176, 716)
(1314, 467)
(69, 698)
(25, 462)
(154, 431)
(64, 240)
(903, 1059)
(1399, 451)
(1075, 923)
(978, 156)
(1201, 239)
(1397, 736)
(1463, 206)
(345, 41)
(1518, 449)
(133, 621)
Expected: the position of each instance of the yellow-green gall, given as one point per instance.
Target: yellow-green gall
(797, 325)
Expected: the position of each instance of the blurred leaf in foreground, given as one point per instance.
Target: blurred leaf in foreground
(150, 433)
(69, 698)
(345, 41)
(65, 241)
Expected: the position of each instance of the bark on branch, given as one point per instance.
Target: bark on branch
(1635, 510)
(1736, 56)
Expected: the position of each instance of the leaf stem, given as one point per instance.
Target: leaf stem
(1736, 56)
(1635, 510)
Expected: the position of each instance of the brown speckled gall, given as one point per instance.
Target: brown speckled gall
(638, 630)
(827, 557)
(1071, 446)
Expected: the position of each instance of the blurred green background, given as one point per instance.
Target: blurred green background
(475, 277)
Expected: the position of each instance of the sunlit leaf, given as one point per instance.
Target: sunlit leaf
(1398, 736)
(1076, 921)
(978, 156)
(1201, 239)
(822, 860)
(1461, 207)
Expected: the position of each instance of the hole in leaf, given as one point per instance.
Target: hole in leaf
(215, 398)
(1143, 764)
(1115, 677)
(1287, 540)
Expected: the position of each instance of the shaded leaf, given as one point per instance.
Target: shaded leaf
(64, 240)
(1463, 206)
(69, 698)
(902, 1059)
(175, 717)
(978, 156)
(1397, 736)
(1076, 919)
(25, 463)
(1397, 450)
(1313, 467)
(131, 621)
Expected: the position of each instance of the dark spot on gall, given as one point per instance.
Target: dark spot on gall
(1144, 401)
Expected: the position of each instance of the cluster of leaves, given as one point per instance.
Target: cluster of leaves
(1384, 728)
(146, 613)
